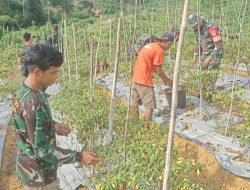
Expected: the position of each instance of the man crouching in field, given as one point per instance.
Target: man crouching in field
(38, 156)
(150, 61)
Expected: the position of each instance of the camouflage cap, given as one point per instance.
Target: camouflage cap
(193, 19)
(167, 36)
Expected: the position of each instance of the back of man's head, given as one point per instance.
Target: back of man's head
(55, 27)
(167, 36)
(42, 56)
(26, 36)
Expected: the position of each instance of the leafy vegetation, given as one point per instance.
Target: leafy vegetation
(87, 110)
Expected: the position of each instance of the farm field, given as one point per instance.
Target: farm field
(211, 144)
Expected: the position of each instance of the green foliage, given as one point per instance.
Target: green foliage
(82, 10)
(81, 112)
(8, 22)
(109, 6)
(243, 133)
(144, 168)
(33, 13)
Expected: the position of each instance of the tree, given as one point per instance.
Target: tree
(4, 8)
(33, 13)
(122, 5)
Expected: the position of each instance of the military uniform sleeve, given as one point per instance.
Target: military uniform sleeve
(217, 40)
(40, 133)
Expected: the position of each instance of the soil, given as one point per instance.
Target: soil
(213, 176)
(8, 179)
(231, 71)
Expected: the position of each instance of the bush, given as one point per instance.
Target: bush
(8, 22)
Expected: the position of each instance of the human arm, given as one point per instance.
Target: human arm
(163, 76)
(206, 62)
(41, 136)
(197, 47)
(61, 129)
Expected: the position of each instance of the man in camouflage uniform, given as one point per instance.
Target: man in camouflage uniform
(27, 40)
(38, 156)
(209, 42)
(55, 37)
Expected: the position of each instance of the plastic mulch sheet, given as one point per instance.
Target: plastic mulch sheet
(5, 114)
(203, 125)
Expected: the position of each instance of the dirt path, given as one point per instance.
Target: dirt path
(8, 179)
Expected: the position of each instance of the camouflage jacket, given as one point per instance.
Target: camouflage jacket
(24, 69)
(210, 41)
(55, 40)
(38, 155)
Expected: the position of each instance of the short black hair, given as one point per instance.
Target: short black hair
(167, 36)
(26, 36)
(42, 56)
(55, 27)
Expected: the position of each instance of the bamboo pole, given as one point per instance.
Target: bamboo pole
(174, 98)
(213, 12)
(238, 56)
(167, 15)
(66, 46)
(112, 101)
(130, 82)
(97, 49)
(62, 48)
(148, 23)
(110, 41)
(199, 60)
(91, 71)
(75, 51)
(152, 21)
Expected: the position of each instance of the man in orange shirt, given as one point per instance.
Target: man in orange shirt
(149, 61)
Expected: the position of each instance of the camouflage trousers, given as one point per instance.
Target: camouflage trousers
(51, 186)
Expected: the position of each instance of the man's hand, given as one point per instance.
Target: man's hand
(89, 158)
(62, 129)
(206, 62)
(168, 82)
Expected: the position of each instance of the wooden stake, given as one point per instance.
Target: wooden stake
(238, 57)
(174, 98)
(97, 49)
(75, 51)
(117, 59)
(130, 82)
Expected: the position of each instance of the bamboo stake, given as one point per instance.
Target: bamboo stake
(199, 60)
(97, 49)
(110, 41)
(130, 82)
(148, 23)
(174, 98)
(112, 101)
(152, 21)
(167, 15)
(91, 71)
(75, 51)
(213, 12)
(238, 56)
(66, 46)
(62, 47)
